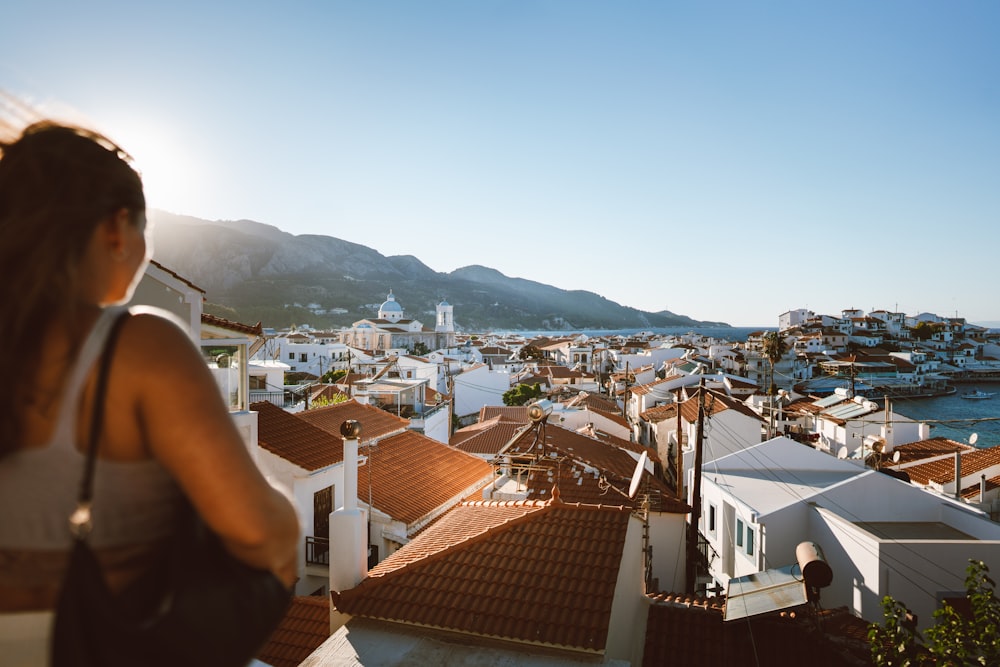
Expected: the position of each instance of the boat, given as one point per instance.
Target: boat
(975, 394)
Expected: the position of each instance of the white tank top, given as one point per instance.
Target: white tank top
(134, 502)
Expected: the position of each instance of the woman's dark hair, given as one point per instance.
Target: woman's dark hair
(57, 183)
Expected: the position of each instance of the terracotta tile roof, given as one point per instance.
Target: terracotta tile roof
(488, 438)
(715, 403)
(576, 484)
(972, 491)
(659, 413)
(643, 389)
(573, 451)
(249, 329)
(943, 470)
(306, 625)
(288, 436)
(375, 423)
(528, 572)
(688, 631)
(930, 448)
(595, 402)
(177, 276)
(511, 413)
(413, 475)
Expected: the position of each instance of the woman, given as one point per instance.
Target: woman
(72, 244)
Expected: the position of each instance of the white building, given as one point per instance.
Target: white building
(880, 536)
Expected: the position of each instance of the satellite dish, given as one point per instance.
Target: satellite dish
(842, 453)
(895, 456)
(974, 438)
(637, 475)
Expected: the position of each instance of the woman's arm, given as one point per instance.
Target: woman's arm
(187, 427)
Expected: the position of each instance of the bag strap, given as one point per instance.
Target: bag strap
(80, 519)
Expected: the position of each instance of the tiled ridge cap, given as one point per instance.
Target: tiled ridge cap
(687, 601)
(499, 638)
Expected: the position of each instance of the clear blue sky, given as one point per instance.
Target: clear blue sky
(723, 160)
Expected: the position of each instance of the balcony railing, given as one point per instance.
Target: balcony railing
(317, 550)
(282, 399)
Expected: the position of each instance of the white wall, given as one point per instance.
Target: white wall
(478, 387)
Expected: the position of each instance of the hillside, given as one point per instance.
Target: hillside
(252, 271)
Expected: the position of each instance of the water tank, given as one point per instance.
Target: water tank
(815, 570)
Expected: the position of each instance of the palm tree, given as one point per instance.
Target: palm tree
(774, 347)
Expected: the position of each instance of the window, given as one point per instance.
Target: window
(711, 519)
(739, 532)
(291, 356)
(749, 541)
(303, 357)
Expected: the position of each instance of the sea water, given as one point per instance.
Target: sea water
(955, 417)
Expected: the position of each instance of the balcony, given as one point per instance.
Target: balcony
(317, 551)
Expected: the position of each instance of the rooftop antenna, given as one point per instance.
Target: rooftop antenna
(640, 467)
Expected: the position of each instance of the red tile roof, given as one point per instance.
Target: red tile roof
(249, 329)
(595, 402)
(508, 413)
(572, 457)
(293, 439)
(413, 475)
(537, 573)
(306, 625)
(930, 448)
(942, 471)
(375, 423)
(485, 438)
(715, 403)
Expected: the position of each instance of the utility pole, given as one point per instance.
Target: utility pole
(692, 541)
(679, 454)
(625, 395)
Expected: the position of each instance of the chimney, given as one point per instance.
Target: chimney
(348, 524)
(958, 475)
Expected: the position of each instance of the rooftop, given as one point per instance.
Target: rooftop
(530, 572)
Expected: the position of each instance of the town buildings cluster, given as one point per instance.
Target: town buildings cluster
(664, 499)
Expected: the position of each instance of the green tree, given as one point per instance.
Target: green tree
(331, 377)
(323, 401)
(420, 348)
(955, 639)
(522, 394)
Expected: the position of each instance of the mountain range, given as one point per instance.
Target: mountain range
(256, 272)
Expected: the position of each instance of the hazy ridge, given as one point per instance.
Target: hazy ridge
(257, 272)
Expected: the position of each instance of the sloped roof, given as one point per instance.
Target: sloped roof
(540, 573)
(511, 413)
(487, 437)
(375, 423)
(223, 323)
(595, 402)
(659, 413)
(413, 475)
(295, 440)
(715, 402)
(305, 626)
(577, 485)
(929, 448)
(942, 471)
(566, 449)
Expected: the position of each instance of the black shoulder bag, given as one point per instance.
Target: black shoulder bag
(210, 608)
